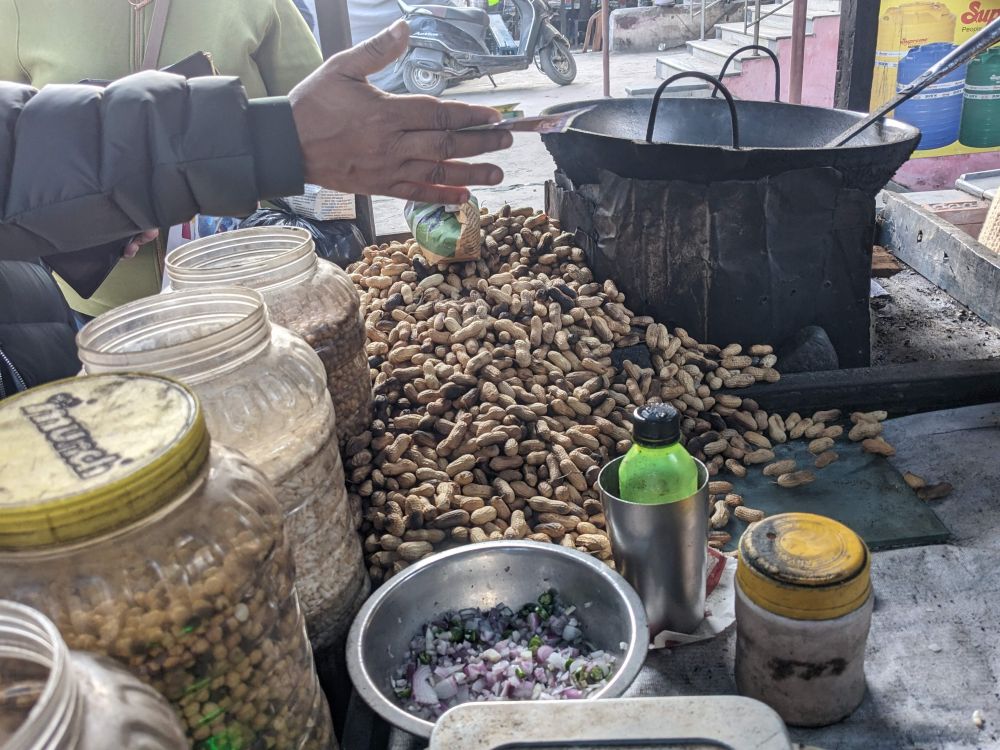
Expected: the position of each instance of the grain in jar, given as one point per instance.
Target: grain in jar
(803, 608)
(52, 698)
(303, 292)
(143, 540)
(263, 391)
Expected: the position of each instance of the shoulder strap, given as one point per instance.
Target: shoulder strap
(157, 28)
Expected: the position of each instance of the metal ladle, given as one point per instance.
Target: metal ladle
(986, 37)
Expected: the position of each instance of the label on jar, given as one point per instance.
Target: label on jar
(86, 450)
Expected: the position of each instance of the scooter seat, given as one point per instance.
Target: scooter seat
(449, 13)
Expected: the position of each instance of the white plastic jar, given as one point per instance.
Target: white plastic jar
(803, 610)
(52, 698)
(304, 293)
(263, 391)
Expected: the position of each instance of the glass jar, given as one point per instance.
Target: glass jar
(52, 698)
(264, 393)
(303, 292)
(143, 540)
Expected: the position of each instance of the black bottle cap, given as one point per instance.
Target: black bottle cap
(656, 424)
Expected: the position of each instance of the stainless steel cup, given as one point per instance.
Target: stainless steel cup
(661, 551)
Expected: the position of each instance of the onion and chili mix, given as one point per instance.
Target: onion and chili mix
(536, 653)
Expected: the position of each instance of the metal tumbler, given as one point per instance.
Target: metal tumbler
(661, 550)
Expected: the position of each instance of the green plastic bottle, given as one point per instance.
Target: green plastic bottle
(657, 469)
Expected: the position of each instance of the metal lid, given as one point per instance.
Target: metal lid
(87, 455)
(804, 566)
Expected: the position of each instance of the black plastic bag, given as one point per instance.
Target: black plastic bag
(338, 241)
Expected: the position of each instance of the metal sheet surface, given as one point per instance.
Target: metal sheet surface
(862, 491)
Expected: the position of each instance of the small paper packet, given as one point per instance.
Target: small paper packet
(445, 233)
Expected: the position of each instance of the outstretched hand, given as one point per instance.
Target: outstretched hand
(358, 139)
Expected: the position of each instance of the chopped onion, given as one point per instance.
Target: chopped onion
(446, 689)
(423, 691)
(537, 653)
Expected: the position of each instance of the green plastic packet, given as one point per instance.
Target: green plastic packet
(445, 233)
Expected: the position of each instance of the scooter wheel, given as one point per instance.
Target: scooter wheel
(423, 81)
(557, 63)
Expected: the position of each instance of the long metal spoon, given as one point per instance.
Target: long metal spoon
(987, 37)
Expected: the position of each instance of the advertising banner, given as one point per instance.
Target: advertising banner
(960, 114)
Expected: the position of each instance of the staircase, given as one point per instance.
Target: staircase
(708, 55)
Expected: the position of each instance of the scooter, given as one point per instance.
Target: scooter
(450, 44)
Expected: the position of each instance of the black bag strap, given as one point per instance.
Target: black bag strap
(157, 29)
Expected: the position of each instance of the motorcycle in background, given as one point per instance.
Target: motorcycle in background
(450, 44)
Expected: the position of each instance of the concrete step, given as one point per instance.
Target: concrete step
(678, 89)
(815, 9)
(669, 65)
(771, 31)
(715, 52)
(708, 55)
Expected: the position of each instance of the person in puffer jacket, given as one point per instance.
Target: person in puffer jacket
(83, 166)
(36, 328)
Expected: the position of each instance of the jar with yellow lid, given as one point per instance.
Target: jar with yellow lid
(144, 541)
(52, 698)
(803, 609)
(303, 292)
(263, 391)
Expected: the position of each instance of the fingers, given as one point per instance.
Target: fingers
(428, 113)
(444, 145)
(422, 193)
(447, 173)
(362, 60)
(133, 246)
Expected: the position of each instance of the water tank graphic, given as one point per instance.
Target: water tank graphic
(937, 110)
(981, 110)
(900, 28)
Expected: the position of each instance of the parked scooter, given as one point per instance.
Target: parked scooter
(449, 44)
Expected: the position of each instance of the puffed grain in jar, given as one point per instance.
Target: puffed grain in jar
(52, 698)
(303, 292)
(143, 540)
(803, 608)
(263, 392)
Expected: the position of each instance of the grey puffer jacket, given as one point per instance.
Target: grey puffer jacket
(82, 166)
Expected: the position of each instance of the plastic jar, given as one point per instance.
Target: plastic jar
(303, 292)
(52, 698)
(145, 541)
(263, 392)
(803, 609)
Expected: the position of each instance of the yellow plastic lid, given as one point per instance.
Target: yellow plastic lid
(87, 455)
(804, 566)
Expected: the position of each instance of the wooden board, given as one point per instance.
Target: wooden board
(956, 207)
(884, 263)
(944, 254)
(856, 54)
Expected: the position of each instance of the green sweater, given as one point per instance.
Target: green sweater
(266, 43)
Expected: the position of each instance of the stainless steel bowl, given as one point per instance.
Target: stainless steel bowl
(484, 575)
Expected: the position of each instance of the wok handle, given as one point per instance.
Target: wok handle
(769, 52)
(704, 77)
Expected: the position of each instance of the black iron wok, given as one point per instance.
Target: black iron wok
(692, 140)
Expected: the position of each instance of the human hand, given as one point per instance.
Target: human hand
(358, 139)
(138, 241)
